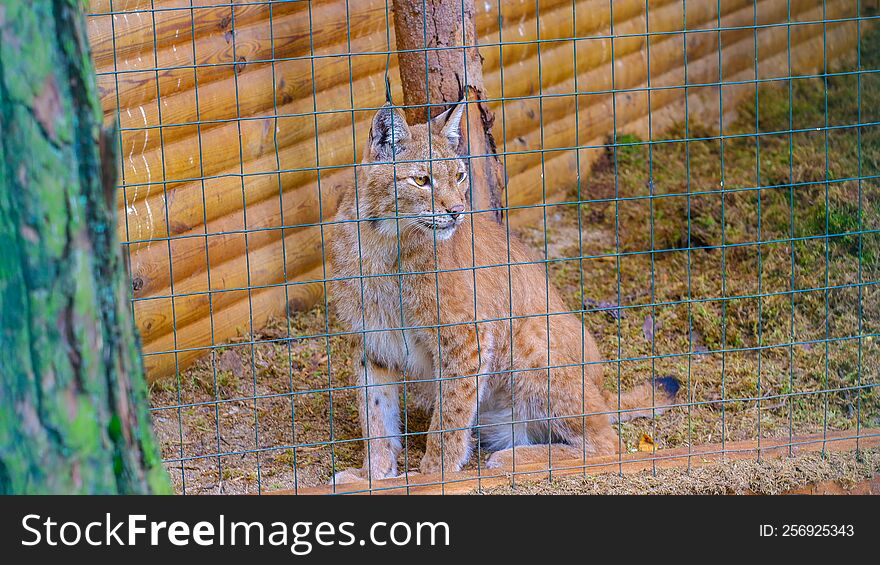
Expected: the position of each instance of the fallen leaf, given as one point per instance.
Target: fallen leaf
(607, 306)
(648, 327)
(646, 443)
(231, 362)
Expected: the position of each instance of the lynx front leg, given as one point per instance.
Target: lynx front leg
(456, 404)
(379, 411)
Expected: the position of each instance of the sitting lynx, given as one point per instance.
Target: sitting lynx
(487, 353)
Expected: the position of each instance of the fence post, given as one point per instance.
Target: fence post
(73, 416)
(441, 59)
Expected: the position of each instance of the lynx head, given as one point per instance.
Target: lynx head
(415, 182)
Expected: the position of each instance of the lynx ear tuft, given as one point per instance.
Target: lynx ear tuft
(449, 123)
(388, 131)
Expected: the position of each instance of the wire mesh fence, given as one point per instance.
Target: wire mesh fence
(686, 197)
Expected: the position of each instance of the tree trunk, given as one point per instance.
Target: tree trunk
(73, 415)
(442, 76)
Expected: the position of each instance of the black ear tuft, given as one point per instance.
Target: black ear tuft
(388, 131)
(449, 123)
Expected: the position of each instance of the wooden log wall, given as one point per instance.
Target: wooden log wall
(239, 118)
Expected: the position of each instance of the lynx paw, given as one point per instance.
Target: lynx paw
(349, 476)
(498, 460)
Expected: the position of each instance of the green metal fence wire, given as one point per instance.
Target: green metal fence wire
(861, 389)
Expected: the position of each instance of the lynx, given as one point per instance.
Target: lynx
(447, 302)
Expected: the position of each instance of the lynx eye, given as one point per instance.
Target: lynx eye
(422, 180)
(459, 178)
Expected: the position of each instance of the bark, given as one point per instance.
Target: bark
(446, 65)
(73, 415)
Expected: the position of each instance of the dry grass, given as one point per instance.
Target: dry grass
(761, 353)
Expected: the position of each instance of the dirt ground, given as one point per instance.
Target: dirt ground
(671, 284)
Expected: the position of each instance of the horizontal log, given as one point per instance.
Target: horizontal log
(257, 139)
(287, 87)
(522, 40)
(175, 27)
(289, 36)
(225, 51)
(196, 339)
(193, 297)
(224, 193)
(222, 238)
(682, 458)
(175, 23)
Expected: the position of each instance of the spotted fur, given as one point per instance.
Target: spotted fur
(494, 351)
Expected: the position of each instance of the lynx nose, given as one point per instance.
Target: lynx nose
(455, 211)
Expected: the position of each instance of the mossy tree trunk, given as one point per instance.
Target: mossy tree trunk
(73, 415)
(439, 65)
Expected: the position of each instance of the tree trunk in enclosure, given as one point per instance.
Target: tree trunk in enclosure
(437, 76)
(73, 415)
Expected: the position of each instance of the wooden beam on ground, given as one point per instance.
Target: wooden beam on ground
(679, 458)
(870, 486)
